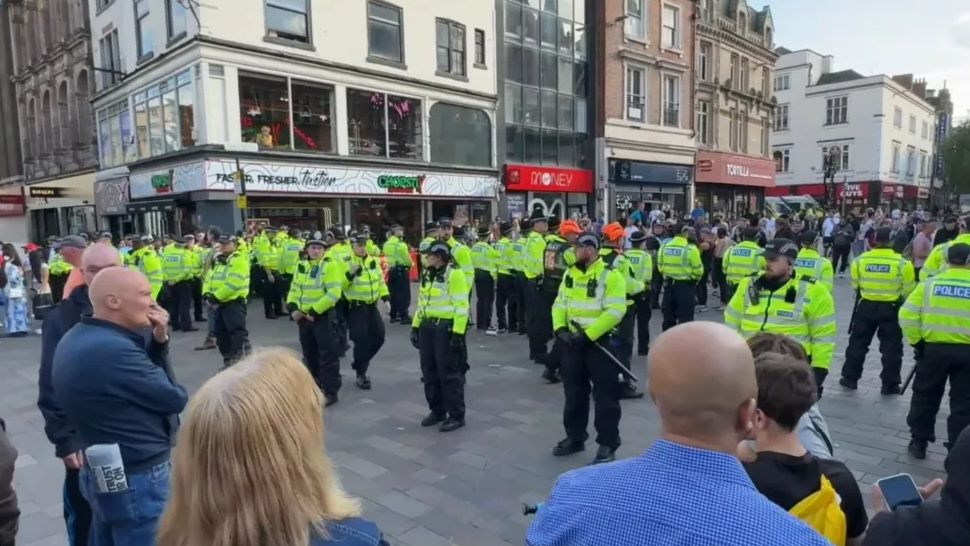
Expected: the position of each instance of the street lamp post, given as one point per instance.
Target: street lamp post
(831, 166)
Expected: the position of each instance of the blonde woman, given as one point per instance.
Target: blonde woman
(250, 468)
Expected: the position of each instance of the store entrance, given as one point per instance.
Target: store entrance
(381, 214)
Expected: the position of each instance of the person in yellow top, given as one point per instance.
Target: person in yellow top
(679, 261)
(460, 254)
(743, 260)
(611, 253)
(196, 268)
(516, 258)
(589, 307)
(372, 248)
(934, 320)
(882, 279)
(937, 261)
(438, 333)
(559, 256)
(776, 301)
(641, 267)
(226, 289)
(177, 267)
(267, 250)
(363, 288)
(60, 269)
(811, 264)
(532, 266)
(291, 252)
(144, 259)
(398, 256)
(430, 236)
(506, 302)
(484, 259)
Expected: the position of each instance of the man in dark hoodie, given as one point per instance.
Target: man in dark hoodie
(67, 446)
(944, 522)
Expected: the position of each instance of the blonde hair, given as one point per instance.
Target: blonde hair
(250, 467)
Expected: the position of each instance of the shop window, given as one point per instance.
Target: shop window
(384, 125)
(265, 109)
(164, 118)
(460, 135)
(115, 135)
(313, 106)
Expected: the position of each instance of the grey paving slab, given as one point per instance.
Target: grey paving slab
(464, 488)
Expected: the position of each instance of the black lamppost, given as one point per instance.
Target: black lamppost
(831, 166)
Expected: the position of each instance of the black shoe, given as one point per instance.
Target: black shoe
(406, 320)
(917, 448)
(433, 419)
(451, 424)
(567, 447)
(395, 319)
(190, 329)
(331, 399)
(643, 352)
(363, 382)
(890, 389)
(522, 332)
(271, 317)
(200, 320)
(551, 376)
(605, 454)
(629, 392)
(851, 384)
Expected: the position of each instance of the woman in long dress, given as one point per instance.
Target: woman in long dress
(16, 319)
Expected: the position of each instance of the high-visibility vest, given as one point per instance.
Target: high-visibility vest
(267, 252)
(59, 266)
(679, 260)
(484, 257)
(810, 263)
(936, 262)
(516, 254)
(463, 258)
(938, 310)
(396, 252)
(367, 284)
(801, 309)
(535, 247)
(503, 261)
(316, 286)
(176, 263)
(617, 261)
(743, 260)
(290, 255)
(594, 298)
(641, 266)
(883, 275)
(443, 295)
(146, 260)
(229, 279)
(557, 258)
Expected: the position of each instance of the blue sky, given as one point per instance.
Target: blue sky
(930, 38)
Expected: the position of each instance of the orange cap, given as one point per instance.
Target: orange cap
(570, 227)
(613, 232)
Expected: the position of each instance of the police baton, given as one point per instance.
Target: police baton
(855, 307)
(909, 378)
(626, 371)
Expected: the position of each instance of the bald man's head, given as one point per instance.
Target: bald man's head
(122, 296)
(97, 257)
(703, 382)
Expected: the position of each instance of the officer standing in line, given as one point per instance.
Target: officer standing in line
(641, 265)
(460, 254)
(178, 268)
(364, 287)
(268, 258)
(559, 257)
(934, 320)
(398, 274)
(882, 279)
(430, 236)
(610, 254)
(226, 291)
(593, 297)
(201, 255)
(505, 300)
(144, 259)
(811, 264)
(517, 257)
(777, 302)
(340, 252)
(486, 274)
(680, 264)
(653, 244)
(291, 247)
(743, 260)
(315, 290)
(937, 261)
(438, 332)
(532, 266)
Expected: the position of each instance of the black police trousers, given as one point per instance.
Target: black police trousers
(678, 303)
(180, 303)
(272, 297)
(535, 323)
(366, 331)
(881, 318)
(941, 361)
(441, 368)
(656, 288)
(399, 286)
(580, 368)
(485, 294)
(506, 299)
(232, 338)
(320, 355)
(643, 313)
(523, 299)
(197, 299)
(540, 331)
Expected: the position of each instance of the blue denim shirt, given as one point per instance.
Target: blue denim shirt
(351, 532)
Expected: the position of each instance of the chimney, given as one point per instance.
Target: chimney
(906, 80)
(919, 88)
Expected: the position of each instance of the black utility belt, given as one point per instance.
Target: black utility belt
(231, 301)
(668, 280)
(359, 303)
(437, 321)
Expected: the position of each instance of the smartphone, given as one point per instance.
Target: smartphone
(899, 490)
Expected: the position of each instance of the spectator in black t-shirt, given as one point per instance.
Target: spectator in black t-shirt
(784, 471)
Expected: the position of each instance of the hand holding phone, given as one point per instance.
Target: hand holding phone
(896, 491)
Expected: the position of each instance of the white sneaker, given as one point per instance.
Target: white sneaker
(719, 307)
(492, 331)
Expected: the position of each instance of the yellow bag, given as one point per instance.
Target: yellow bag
(821, 511)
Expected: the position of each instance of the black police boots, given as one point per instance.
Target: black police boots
(567, 447)
(917, 448)
(605, 454)
(433, 419)
(451, 424)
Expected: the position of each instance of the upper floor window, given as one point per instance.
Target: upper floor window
(704, 58)
(479, 48)
(384, 125)
(164, 115)
(286, 19)
(101, 4)
(144, 40)
(265, 108)
(912, 124)
(745, 75)
(836, 110)
(450, 38)
(782, 82)
(110, 59)
(735, 76)
(781, 117)
(671, 113)
(704, 122)
(895, 164)
(671, 27)
(898, 118)
(460, 135)
(925, 133)
(636, 93)
(782, 161)
(176, 14)
(385, 32)
(636, 26)
(742, 24)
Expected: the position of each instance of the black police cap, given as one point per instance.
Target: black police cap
(638, 236)
(588, 238)
(958, 254)
(884, 235)
(439, 247)
(505, 227)
(482, 232)
(808, 237)
(781, 247)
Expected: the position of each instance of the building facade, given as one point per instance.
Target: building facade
(875, 134)
(943, 104)
(645, 140)
(369, 112)
(13, 226)
(53, 79)
(735, 100)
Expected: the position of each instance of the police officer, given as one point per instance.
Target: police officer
(653, 244)
(811, 264)
(291, 248)
(934, 320)
(430, 236)
(776, 301)
(399, 264)
(559, 257)
(937, 261)
(340, 252)
(461, 256)
(438, 332)
(592, 297)
(506, 309)
(316, 287)
(177, 266)
(882, 280)
(532, 266)
(363, 288)
(226, 289)
(60, 269)
(144, 259)
(267, 250)
(613, 242)
(680, 264)
(517, 257)
(200, 251)
(486, 274)
(743, 260)
(641, 266)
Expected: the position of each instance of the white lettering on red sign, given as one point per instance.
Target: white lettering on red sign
(548, 179)
(738, 170)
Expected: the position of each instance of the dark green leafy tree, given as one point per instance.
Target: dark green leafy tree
(956, 157)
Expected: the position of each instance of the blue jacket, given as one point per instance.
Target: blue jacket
(114, 390)
(351, 532)
(61, 319)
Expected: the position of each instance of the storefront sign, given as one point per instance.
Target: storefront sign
(162, 183)
(400, 184)
(639, 172)
(721, 168)
(923, 193)
(12, 205)
(516, 203)
(851, 191)
(46, 192)
(548, 179)
(110, 196)
(168, 180)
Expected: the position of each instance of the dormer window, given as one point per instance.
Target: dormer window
(742, 23)
(769, 36)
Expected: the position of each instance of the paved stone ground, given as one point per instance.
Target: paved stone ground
(425, 488)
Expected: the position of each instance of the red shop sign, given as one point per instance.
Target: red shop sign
(12, 205)
(548, 179)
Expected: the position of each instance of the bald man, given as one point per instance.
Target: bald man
(115, 388)
(77, 513)
(688, 487)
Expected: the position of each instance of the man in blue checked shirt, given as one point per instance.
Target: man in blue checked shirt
(688, 488)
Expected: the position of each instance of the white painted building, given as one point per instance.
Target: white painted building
(882, 129)
(368, 111)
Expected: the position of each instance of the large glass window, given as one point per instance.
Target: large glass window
(176, 18)
(164, 117)
(114, 134)
(186, 104)
(170, 114)
(385, 32)
(141, 129)
(671, 27)
(156, 137)
(460, 135)
(313, 112)
(265, 109)
(384, 125)
(286, 19)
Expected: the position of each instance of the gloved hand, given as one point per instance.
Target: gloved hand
(919, 349)
(386, 299)
(414, 338)
(457, 340)
(564, 336)
(579, 340)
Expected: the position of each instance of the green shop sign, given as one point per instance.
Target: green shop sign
(162, 183)
(400, 184)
